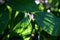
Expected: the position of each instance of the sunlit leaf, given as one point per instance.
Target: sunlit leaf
(23, 28)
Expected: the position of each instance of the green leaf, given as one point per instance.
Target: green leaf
(4, 17)
(23, 5)
(23, 28)
(49, 23)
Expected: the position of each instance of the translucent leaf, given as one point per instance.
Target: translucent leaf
(23, 26)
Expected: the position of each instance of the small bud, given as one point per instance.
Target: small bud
(41, 1)
(48, 11)
(32, 34)
(46, 1)
(32, 17)
(26, 14)
(37, 1)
